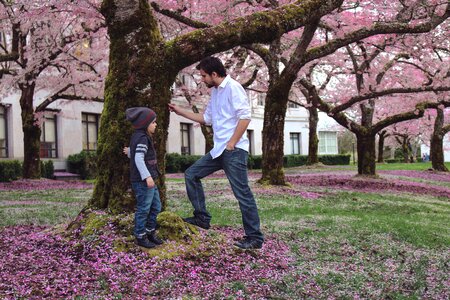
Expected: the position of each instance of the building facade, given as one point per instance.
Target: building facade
(68, 127)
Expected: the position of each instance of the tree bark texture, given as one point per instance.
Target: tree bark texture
(31, 134)
(273, 140)
(366, 154)
(437, 143)
(313, 144)
(381, 138)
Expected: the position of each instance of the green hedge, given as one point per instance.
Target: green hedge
(47, 169)
(338, 159)
(83, 163)
(176, 163)
(393, 160)
(10, 170)
(179, 163)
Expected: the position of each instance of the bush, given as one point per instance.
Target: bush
(294, 160)
(393, 161)
(10, 170)
(342, 159)
(83, 163)
(255, 161)
(176, 163)
(47, 169)
(301, 160)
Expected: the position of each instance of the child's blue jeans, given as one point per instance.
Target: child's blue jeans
(148, 206)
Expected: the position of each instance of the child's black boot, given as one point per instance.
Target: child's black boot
(153, 238)
(144, 242)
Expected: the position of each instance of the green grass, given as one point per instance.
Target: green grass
(420, 166)
(41, 207)
(340, 243)
(419, 220)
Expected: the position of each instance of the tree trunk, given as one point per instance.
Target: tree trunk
(313, 144)
(273, 139)
(366, 154)
(381, 138)
(138, 76)
(207, 133)
(437, 143)
(405, 150)
(31, 134)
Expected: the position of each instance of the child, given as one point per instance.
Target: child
(143, 173)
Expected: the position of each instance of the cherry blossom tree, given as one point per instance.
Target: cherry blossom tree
(320, 38)
(143, 67)
(54, 49)
(387, 77)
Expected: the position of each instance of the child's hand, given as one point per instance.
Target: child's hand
(150, 182)
(126, 150)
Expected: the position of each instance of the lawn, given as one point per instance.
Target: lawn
(328, 235)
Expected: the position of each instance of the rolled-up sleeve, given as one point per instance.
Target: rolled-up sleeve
(207, 114)
(240, 103)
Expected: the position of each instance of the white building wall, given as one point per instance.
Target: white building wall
(69, 128)
(426, 149)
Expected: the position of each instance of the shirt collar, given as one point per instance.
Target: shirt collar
(225, 81)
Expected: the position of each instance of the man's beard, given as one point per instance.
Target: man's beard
(209, 85)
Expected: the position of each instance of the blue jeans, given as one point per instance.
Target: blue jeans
(148, 206)
(234, 163)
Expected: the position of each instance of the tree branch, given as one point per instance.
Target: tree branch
(410, 115)
(387, 92)
(259, 27)
(179, 17)
(317, 101)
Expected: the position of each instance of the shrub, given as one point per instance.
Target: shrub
(255, 161)
(83, 163)
(294, 160)
(176, 163)
(342, 159)
(179, 163)
(10, 170)
(47, 169)
(393, 161)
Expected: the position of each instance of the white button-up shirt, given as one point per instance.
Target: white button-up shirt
(228, 105)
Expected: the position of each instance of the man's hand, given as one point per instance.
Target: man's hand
(174, 108)
(230, 146)
(150, 182)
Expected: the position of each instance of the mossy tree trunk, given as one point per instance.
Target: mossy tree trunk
(313, 143)
(273, 138)
(437, 142)
(31, 133)
(275, 110)
(138, 76)
(143, 67)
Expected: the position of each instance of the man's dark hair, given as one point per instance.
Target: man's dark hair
(212, 64)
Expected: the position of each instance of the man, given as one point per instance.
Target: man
(228, 112)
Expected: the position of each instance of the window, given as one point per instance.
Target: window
(261, 97)
(250, 141)
(90, 131)
(48, 136)
(3, 133)
(327, 142)
(293, 104)
(185, 138)
(295, 143)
